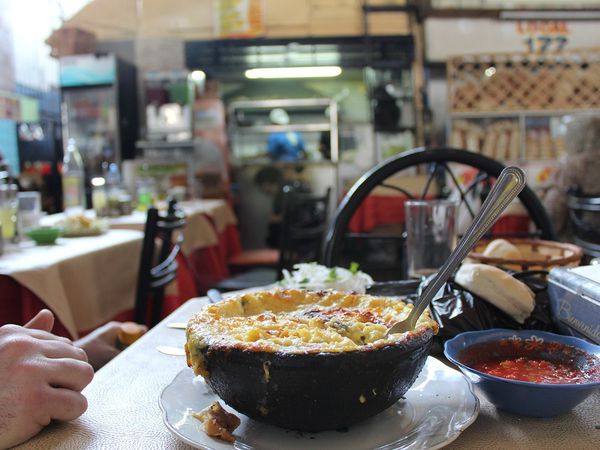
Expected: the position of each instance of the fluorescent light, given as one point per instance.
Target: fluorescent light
(98, 181)
(198, 75)
(294, 72)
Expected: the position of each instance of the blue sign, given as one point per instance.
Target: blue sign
(87, 70)
(8, 144)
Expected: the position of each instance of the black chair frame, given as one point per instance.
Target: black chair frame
(296, 235)
(294, 238)
(440, 158)
(157, 271)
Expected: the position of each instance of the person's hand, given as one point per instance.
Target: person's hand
(41, 379)
(101, 344)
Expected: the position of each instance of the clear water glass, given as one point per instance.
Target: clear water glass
(430, 235)
(30, 210)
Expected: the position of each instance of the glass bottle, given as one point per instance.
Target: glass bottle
(8, 211)
(73, 180)
(146, 189)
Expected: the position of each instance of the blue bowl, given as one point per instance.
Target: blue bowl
(523, 397)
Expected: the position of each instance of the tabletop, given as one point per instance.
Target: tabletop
(199, 232)
(86, 280)
(124, 412)
(210, 237)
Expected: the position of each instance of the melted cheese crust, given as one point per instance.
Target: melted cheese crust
(297, 321)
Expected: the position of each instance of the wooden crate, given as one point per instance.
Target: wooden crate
(335, 18)
(71, 41)
(524, 81)
(389, 24)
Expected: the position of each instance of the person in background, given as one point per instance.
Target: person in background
(577, 170)
(284, 146)
(42, 375)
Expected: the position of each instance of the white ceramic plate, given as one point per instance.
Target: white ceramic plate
(437, 408)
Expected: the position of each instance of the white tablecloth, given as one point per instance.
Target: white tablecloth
(86, 281)
(218, 210)
(198, 232)
(124, 414)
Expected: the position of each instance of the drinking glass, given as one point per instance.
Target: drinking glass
(8, 211)
(430, 234)
(100, 200)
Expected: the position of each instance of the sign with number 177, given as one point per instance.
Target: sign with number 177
(544, 36)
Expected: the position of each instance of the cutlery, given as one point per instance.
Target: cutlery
(171, 350)
(508, 185)
(214, 296)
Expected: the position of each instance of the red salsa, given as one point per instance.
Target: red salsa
(534, 370)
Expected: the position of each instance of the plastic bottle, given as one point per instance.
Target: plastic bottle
(146, 189)
(73, 180)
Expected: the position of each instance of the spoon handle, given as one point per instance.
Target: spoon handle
(508, 185)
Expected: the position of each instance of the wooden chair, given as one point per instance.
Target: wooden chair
(303, 225)
(157, 270)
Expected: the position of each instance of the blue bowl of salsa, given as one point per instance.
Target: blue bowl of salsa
(528, 372)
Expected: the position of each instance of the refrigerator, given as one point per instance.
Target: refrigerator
(40, 155)
(99, 108)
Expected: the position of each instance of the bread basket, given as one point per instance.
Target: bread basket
(537, 255)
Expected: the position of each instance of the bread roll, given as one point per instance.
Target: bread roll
(499, 288)
(514, 146)
(501, 248)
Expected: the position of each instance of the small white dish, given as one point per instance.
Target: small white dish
(436, 409)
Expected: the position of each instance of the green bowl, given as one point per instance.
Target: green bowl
(44, 235)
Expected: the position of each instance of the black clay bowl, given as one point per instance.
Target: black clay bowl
(316, 391)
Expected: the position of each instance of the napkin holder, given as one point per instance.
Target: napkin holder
(575, 301)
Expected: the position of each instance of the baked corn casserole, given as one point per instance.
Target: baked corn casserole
(297, 322)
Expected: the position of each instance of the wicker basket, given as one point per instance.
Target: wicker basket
(539, 255)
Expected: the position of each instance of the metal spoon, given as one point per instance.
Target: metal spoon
(510, 182)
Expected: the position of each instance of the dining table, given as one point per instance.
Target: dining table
(86, 281)
(210, 237)
(91, 279)
(124, 410)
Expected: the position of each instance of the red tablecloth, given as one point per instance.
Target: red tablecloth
(209, 264)
(210, 237)
(379, 210)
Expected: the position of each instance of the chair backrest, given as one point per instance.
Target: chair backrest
(386, 249)
(157, 268)
(303, 226)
